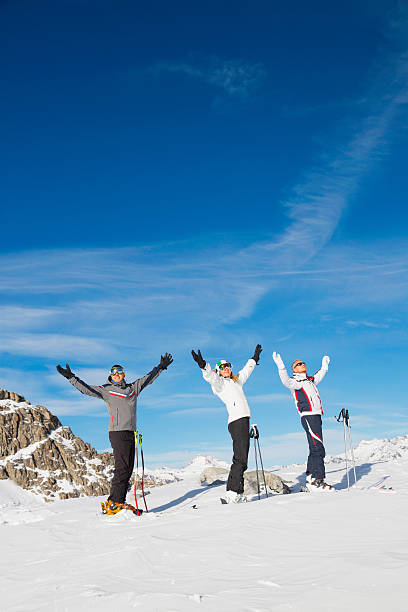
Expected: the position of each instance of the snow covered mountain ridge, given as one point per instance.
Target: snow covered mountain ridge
(368, 451)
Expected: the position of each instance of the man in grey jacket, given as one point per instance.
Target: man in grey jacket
(120, 398)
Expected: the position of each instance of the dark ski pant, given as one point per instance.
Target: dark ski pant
(239, 431)
(312, 424)
(123, 444)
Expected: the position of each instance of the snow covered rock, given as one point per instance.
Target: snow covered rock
(213, 475)
(274, 482)
(12, 396)
(42, 456)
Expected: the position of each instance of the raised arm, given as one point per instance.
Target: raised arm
(211, 377)
(289, 382)
(208, 375)
(320, 374)
(249, 367)
(83, 387)
(141, 383)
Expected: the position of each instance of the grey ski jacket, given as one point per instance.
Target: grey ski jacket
(120, 398)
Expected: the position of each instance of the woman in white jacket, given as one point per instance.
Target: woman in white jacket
(228, 387)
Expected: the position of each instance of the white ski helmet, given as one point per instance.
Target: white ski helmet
(221, 364)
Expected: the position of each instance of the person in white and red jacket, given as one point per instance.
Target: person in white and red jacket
(228, 387)
(309, 406)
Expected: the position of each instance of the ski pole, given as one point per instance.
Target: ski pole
(141, 455)
(262, 467)
(351, 445)
(257, 473)
(255, 431)
(252, 434)
(137, 467)
(339, 418)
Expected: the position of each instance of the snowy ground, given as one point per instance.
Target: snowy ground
(304, 552)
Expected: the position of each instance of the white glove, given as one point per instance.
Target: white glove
(325, 362)
(278, 360)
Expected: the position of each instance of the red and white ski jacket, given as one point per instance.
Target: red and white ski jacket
(304, 390)
(230, 392)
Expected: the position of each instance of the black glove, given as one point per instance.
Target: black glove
(258, 351)
(198, 358)
(66, 373)
(165, 361)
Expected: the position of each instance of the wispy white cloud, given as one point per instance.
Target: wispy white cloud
(367, 324)
(54, 345)
(22, 317)
(235, 77)
(195, 411)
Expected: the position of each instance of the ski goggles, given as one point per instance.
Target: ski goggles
(224, 366)
(299, 363)
(117, 371)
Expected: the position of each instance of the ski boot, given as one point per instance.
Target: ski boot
(318, 484)
(231, 497)
(137, 511)
(111, 507)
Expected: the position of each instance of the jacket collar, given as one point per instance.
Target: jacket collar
(300, 377)
(122, 384)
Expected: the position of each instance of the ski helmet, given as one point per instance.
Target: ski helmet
(221, 364)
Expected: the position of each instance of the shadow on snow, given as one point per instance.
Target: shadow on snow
(190, 495)
(361, 470)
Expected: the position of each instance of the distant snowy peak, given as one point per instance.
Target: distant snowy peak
(367, 451)
(195, 467)
(200, 462)
(382, 450)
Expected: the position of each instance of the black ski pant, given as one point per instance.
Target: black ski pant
(312, 424)
(123, 444)
(239, 431)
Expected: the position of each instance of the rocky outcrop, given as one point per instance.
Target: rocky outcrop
(15, 397)
(42, 456)
(216, 475)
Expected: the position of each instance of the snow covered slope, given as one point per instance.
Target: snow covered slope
(303, 552)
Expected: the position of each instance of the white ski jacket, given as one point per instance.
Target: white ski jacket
(304, 390)
(230, 392)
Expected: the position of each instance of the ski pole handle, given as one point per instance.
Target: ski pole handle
(254, 433)
(341, 416)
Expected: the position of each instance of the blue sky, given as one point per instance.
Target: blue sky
(179, 177)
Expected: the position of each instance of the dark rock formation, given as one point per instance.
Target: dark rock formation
(42, 456)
